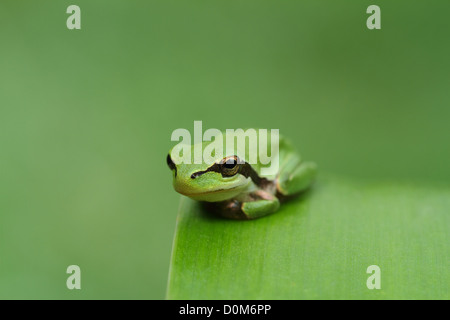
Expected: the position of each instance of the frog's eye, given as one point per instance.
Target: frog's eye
(170, 163)
(230, 166)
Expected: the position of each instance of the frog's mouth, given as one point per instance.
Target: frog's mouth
(213, 195)
(215, 191)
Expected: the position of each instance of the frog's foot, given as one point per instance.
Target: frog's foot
(299, 179)
(249, 206)
(261, 204)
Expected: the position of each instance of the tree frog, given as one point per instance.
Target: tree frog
(236, 189)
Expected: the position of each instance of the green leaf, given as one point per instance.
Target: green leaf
(319, 246)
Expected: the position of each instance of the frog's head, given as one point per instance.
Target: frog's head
(216, 181)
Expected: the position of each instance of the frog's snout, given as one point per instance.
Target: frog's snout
(181, 186)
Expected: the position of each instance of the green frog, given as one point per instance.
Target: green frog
(232, 187)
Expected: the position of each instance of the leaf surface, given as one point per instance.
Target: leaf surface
(319, 246)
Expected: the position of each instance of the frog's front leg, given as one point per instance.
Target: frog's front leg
(248, 206)
(261, 204)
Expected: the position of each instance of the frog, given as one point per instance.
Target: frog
(234, 188)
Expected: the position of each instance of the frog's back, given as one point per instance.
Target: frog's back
(283, 153)
(286, 155)
(254, 146)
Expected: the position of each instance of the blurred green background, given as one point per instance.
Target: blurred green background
(86, 117)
